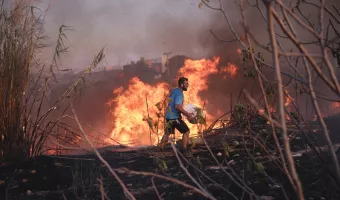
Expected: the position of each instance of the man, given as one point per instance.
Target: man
(173, 115)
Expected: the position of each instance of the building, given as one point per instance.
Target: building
(155, 64)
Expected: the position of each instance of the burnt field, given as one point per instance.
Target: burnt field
(231, 165)
(263, 76)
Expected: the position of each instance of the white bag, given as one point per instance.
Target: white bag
(191, 108)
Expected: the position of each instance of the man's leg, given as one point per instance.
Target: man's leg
(182, 127)
(169, 129)
(164, 140)
(185, 139)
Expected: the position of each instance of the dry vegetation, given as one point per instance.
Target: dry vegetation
(26, 121)
(25, 127)
(280, 18)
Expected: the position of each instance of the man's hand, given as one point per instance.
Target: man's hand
(190, 116)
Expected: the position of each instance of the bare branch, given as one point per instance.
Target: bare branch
(297, 19)
(267, 108)
(309, 58)
(322, 122)
(217, 38)
(188, 174)
(124, 170)
(126, 191)
(155, 188)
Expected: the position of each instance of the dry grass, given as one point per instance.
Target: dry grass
(20, 34)
(26, 120)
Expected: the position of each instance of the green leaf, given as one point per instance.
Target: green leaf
(150, 123)
(161, 164)
(200, 116)
(159, 106)
(259, 167)
(169, 109)
(168, 124)
(165, 167)
(201, 120)
(226, 149)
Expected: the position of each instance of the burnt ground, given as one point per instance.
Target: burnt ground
(76, 177)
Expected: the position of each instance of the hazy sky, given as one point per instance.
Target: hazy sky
(129, 28)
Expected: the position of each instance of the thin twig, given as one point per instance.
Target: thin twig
(267, 108)
(155, 188)
(187, 172)
(126, 191)
(124, 170)
(322, 122)
(285, 138)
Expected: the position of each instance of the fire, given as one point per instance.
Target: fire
(334, 108)
(335, 105)
(131, 110)
(323, 115)
(231, 69)
(133, 118)
(289, 99)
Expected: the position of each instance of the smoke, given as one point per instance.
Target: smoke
(128, 29)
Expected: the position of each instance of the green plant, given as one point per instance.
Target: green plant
(200, 115)
(239, 115)
(161, 164)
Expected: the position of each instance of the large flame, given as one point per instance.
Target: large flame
(135, 115)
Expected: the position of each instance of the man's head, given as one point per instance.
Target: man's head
(183, 83)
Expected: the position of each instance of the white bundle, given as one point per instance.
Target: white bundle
(191, 108)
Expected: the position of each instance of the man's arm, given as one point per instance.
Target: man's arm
(180, 108)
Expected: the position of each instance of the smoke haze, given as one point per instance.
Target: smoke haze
(130, 29)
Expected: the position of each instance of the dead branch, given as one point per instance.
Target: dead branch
(333, 86)
(244, 186)
(322, 122)
(289, 157)
(124, 170)
(155, 188)
(267, 107)
(188, 174)
(126, 191)
(207, 177)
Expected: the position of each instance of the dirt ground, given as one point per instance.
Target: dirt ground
(76, 177)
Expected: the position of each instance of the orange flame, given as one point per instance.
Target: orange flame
(130, 110)
(289, 99)
(231, 69)
(239, 51)
(335, 105)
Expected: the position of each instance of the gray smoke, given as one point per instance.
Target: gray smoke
(130, 29)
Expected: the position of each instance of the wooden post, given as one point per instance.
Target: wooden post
(147, 109)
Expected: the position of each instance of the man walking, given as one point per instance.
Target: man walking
(173, 115)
